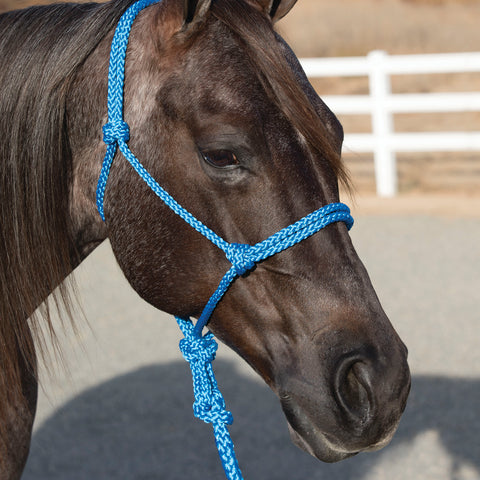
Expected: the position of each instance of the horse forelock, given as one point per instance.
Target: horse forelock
(269, 56)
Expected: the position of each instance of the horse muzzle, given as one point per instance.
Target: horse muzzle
(355, 408)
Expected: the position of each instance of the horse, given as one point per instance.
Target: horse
(223, 116)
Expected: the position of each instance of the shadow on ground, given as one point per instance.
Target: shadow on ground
(140, 426)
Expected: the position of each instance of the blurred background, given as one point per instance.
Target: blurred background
(122, 407)
(356, 27)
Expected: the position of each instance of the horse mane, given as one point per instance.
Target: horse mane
(41, 49)
(261, 43)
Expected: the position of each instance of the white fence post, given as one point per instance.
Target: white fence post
(381, 104)
(382, 125)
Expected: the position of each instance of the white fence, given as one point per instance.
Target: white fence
(381, 104)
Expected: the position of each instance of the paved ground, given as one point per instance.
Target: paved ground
(124, 410)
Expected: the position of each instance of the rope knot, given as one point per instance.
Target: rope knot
(212, 413)
(239, 255)
(199, 349)
(116, 131)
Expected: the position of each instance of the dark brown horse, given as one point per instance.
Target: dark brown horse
(223, 117)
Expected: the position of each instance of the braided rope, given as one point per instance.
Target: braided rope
(115, 130)
(209, 403)
(198, 350)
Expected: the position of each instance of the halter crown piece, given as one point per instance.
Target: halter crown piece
(199, 350)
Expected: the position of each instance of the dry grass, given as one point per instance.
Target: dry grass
(354, 27)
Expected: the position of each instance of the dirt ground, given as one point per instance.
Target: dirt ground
(355, 27)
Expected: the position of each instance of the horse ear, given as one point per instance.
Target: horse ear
(280, 8)
(277, 9)
(195, 10)
(175, 15)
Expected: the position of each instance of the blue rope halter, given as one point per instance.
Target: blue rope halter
(199, 350)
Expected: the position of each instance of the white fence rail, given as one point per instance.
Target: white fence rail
(382, 104)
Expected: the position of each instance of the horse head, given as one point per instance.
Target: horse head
(223, 117)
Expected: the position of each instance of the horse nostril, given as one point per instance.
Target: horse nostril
(353, 390)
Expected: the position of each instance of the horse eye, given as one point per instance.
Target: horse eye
(220, 158)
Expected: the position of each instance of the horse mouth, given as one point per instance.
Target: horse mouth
(308, 437)
(318, 446)
(329, 447)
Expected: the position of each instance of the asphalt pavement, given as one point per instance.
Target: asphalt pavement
(122, 408)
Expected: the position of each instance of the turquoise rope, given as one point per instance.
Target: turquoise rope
(198, 350)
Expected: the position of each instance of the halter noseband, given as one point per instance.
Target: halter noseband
(199, 350)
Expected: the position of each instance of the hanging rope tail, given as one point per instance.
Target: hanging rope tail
(198, 350)
(209, 404)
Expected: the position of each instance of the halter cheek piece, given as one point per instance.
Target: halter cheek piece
(197, 349)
